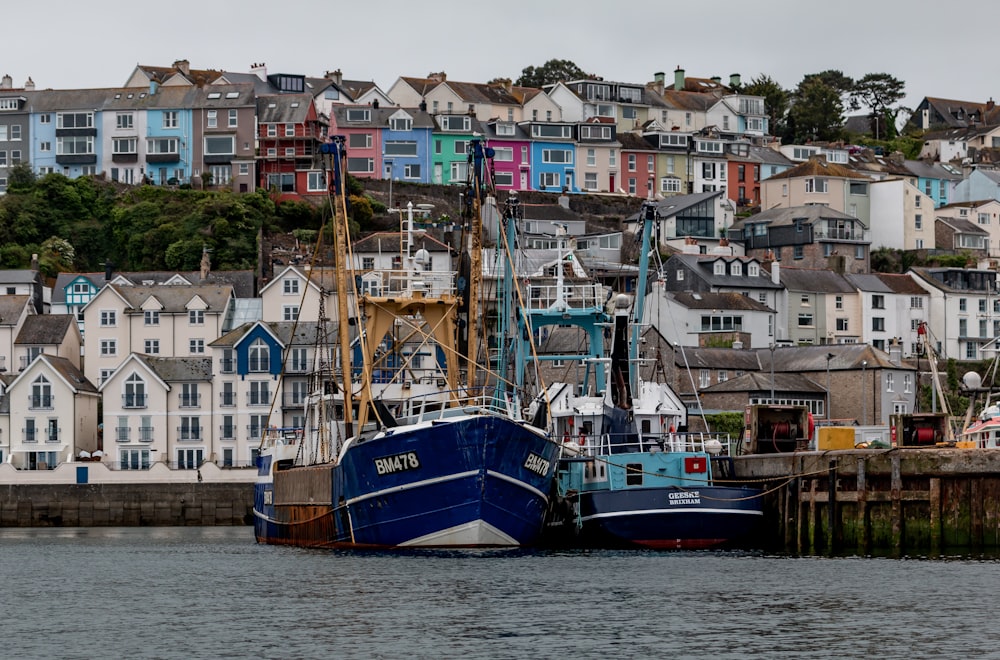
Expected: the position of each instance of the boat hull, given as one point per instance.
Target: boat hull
(471, 481)
(663, 518)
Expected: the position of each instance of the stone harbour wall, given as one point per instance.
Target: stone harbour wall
(125, 504)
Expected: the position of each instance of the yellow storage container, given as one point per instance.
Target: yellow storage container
(835, 437)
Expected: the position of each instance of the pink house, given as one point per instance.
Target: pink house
(512, 159)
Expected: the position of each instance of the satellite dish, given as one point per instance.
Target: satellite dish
(972, 380)
(422, 257)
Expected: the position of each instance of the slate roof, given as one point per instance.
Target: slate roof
(197, 77)
(11, 308)
(69, 372)
(305, 333)
(816, 166)
(702, 266)
(962, 226)
(174, 298)
(800, 359)
(179, 369)
(634, 142)
(787, 216)
(671, 206)
(870, 282)
(758, 381)
(242, 281)
(717, 358)
(927, 170)
(814, 280)
(380, 117)
(719, 301)
(284, 108)
(48, 329)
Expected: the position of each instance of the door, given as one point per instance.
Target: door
(438, 172)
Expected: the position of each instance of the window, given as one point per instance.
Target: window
(459, 171)
(918, 221)
(259, 394)
(878, 324)
(704, 378)
(196, 317)
(503, 154)
(962, 304)
(557, 156)
(670, 184)
(984, 218)
(590, 180)
(841, 325)
(290, 312)
(971, 350)
(135, 392)
(170, 119)
(151, 346)
(400, 124)
(816, 185)
(631, 162)
(196, 346)
(878, 301)
(69, 146)
(190, 429)
(124, 145)
(220, 145)
(211, 119)
(805, 320)
(234, 117)
(549, 180)
(723, 376)
(257, 423)
(108, 318)
(401, 148)
(290, 286)
(41, 394)
(650, 164)
(359, 114)
(161, 146)
(455, 122)
(412, 171)
(189, 395)
(906, 383)
(359, 141)
(315, 181)
(361, 165)
(259, 356)
(227, 429)
(109, 347)
(797, 252)
(982, 305)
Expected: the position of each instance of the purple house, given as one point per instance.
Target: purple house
(512, 160)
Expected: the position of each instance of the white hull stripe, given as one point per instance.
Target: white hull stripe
(473, 533)
(646, 512)
(518, 482)
(415, 484)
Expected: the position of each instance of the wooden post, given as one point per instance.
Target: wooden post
(864, 540)
(934, 502)
(895, 494)
(813, 486)
(831, 506)
(976, 512)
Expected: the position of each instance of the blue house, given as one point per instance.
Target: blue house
(406, 146)
(937, 180)
(553, 155)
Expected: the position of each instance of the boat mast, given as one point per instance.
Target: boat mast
(477, 185)
(647, 215)
(335, 147)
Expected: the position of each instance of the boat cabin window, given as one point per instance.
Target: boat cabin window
(633, 474)
(646, 428)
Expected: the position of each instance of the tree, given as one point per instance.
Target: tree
(878, 92)
(775, 101)
(549, 73)
(817, 111)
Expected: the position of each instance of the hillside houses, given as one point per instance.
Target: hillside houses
(765, 288)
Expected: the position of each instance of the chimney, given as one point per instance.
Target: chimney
(206, 263)
(29, 85)
(989, 104)
(776, 273)
(440, 76)
(259, 69)
(183, 66)
(6, 82)
(337, 77)
(423, 105)
(375, 104)
(153, 87)
(734, 80)
(678, 79)
(564, 201)
(895, 351)
(34, 261)
(717, 80)
(659, 79)
(109, 268)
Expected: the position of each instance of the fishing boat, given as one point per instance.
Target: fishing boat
(629, 476)
(376, 466)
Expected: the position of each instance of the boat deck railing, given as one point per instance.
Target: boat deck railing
(409, 283)
(431, 407)
(541, 297)
(697, 442)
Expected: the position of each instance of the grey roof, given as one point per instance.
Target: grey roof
(814, 280)
(939, 278)
(139, 98)
(706, 300)
(242, 281)
(178, 369)
(963, 226)
(668, 207)
(703, 266)
(175, 298)
(717, 358)
(19, 276)
(928, 170)
(11, 308)
(787, 216)
(305, 333)
(69, 372)
(798, 359)
(870, 282)
(490, 131)
(284, 108)
(768, 155)
(48, 329)
(758, 381)
(380, 117)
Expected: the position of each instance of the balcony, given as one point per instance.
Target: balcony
(189, 433)
(258, 399)
(841, 234)
(145, 434)
(227, 366)
(40, 402)
(254, 432)
(134, 400)
(227, 432)
(258, 365)
(29, 435)
(122, 434)
(294, 400)
(52, 435)
(227, 399)
(190, 401)
(297, 367)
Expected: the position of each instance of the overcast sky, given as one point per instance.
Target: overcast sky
(927, 45)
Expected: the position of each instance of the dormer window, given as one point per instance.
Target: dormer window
(736, 268)
(753, 270)
(720, 268)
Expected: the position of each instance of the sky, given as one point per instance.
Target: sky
(934, 51)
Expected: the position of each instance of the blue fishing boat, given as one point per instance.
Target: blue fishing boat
(453, 466)
(629, 475)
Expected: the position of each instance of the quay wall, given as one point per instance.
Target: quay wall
(92, 495)
(871, 501)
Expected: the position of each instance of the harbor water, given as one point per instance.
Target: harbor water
(186, 592)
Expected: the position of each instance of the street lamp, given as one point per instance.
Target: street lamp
(829, 356)
(772, 374)
(864, 408)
